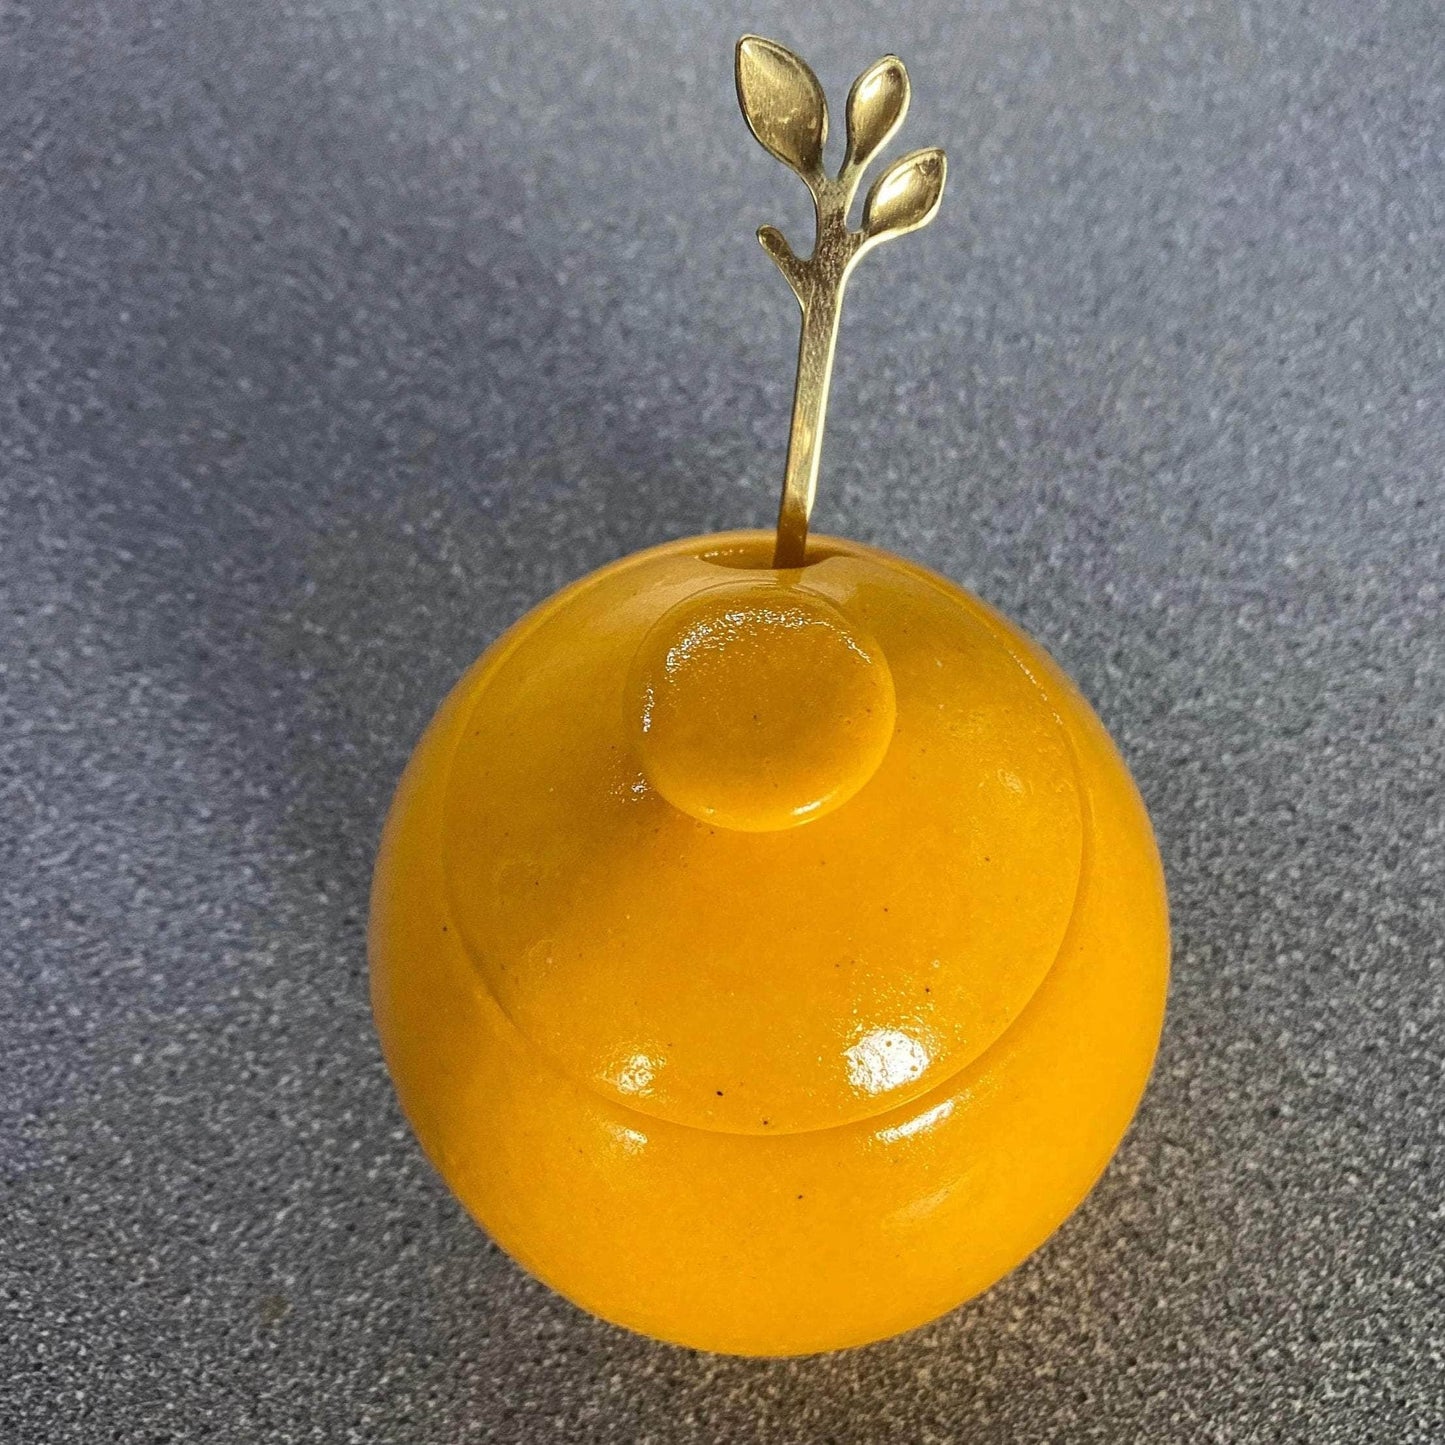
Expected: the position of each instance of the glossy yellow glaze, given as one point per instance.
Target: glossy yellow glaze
(758, 705)
(787, 1056)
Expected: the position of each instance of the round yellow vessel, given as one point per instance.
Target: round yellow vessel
(768, 960)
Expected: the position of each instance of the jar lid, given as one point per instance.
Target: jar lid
(742, 904)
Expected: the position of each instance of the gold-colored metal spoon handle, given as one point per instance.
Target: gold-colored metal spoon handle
(785, 109)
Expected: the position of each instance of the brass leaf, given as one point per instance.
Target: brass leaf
(906, 195)
(876, 107)
(782, 103)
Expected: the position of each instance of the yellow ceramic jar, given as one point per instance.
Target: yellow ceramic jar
(769, 960)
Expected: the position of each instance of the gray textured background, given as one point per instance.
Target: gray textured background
(333, 333)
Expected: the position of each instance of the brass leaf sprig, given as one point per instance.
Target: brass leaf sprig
(785, 109)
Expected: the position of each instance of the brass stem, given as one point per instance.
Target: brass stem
(816, 345)
(824, 279)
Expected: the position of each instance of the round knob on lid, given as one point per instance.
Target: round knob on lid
(759, 706)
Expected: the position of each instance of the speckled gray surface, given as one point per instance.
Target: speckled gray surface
(332, 335)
